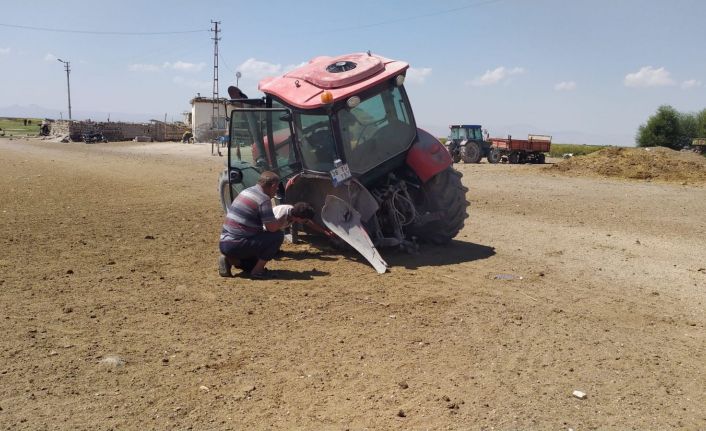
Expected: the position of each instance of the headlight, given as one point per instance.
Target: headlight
(352, 102)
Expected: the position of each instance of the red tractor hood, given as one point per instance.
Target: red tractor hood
(302, 87)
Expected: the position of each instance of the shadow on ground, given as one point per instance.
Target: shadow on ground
(452, 253)
(429, 255)
(286, 274)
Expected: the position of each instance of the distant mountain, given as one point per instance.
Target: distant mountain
(36, 111)
(29, 111)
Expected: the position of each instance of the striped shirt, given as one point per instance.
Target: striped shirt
(250, 210)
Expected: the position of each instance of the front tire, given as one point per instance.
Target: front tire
(444, 193)
(223, 191)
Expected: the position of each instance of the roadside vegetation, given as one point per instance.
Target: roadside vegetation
(12, 127)
(671, 128)
(558, 150)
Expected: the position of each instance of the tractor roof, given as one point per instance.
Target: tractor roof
(343, 76)
(465, 126)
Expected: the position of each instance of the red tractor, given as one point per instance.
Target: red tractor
(341, 134)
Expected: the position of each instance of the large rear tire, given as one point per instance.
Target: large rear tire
(470, 153)
(444, 193)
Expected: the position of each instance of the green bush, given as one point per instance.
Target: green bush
(670, 128)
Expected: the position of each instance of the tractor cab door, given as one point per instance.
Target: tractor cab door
(261, 139)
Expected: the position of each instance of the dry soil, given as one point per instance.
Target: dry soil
(113, 315)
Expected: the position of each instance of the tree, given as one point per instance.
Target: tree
(661, 130)
(688, 127)
(701, 124)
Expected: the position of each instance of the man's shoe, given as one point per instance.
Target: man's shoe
(224, 267)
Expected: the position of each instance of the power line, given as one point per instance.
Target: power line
(414, 17)
(113, 33)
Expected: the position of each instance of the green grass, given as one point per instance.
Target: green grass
(558, 150)
(16, 126)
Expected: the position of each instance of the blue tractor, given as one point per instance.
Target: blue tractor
(465, 142)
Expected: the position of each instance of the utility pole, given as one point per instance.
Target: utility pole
(216, 109)
(67, 66)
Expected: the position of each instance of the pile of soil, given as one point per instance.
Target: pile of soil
(656, 163)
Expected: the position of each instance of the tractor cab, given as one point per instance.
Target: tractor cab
(465, 132)
(316, 119)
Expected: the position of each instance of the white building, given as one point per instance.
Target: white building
(204, 124)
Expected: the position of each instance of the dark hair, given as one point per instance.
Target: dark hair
(267, 179)
(302, 210)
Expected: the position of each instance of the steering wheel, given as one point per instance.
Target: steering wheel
(316, 134)
(367, 126)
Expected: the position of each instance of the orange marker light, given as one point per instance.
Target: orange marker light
(326, 97)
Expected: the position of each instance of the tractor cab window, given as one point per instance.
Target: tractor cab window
(262, 139)
(377, 129)
(317, 144)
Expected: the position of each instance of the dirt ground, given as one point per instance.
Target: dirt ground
(114, 317)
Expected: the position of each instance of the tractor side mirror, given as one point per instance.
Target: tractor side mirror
(236, 176)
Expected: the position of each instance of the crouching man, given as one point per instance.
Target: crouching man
(244, 243)
(301, 213)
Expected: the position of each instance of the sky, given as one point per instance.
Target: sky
(583, 71)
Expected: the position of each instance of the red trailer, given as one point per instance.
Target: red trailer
(530, 150)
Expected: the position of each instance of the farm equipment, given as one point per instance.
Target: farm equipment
(340, 133)
(699, 146)
(92, 137)
(465, 142)
(511, 150)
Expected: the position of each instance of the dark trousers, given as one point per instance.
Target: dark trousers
(264, 245)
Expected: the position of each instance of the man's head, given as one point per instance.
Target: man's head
(301, 212)
(269, 181)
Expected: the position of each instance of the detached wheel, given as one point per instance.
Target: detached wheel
(444, 193)
(223, 191)
(470, 153)
(494, 156)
